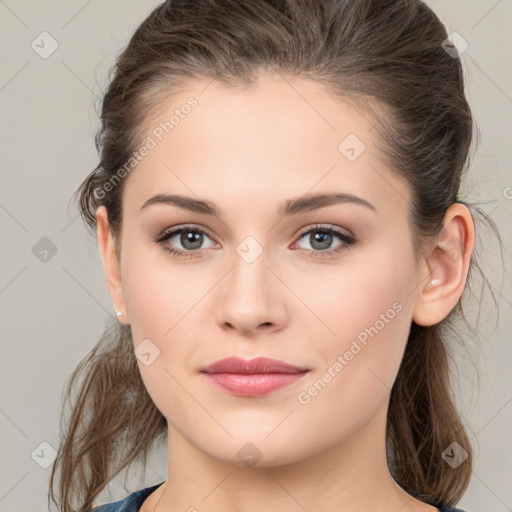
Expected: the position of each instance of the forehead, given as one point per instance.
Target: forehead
(273, 113)
(277, 138)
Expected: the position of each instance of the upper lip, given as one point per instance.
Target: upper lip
(254, 366)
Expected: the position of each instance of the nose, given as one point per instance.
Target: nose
(251, 299)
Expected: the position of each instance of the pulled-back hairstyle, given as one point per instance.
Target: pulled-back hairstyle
(387, 57)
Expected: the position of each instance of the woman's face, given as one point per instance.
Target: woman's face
(260, 284)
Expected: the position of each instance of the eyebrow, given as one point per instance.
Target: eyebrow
(294, 206)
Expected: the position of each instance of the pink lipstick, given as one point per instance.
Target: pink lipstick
(256, 377)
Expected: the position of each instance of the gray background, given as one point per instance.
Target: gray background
(54, 311)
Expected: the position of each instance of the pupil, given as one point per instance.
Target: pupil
(195, 239)
(191, 240)
(325, 239)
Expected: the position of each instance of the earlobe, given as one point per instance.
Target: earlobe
(110, 263)
(446, 267)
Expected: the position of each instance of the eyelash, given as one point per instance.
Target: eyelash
(348, 240)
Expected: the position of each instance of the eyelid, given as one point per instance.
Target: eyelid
(345, 235)
(312, 227)
(164, 234)
(192, 227)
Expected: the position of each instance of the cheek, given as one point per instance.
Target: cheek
(160, 304)
(364, 316)
(371, 322)
(158, 293)
(343, 303)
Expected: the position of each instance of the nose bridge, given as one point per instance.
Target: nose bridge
(249, 296)
(249, 276)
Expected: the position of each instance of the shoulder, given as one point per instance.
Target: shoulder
(131, 503)
(440, 506)
(448, 508)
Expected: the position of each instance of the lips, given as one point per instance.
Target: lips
(254, 378)
(260, 365)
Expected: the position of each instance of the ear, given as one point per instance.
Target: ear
(110, 263)
(445, 267)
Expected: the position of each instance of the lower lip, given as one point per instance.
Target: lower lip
(254, 384)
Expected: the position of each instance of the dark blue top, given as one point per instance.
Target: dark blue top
(134, 501)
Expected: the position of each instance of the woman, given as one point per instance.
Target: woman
(278, 214)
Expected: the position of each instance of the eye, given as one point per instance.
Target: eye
(190, 237)
(321, 238)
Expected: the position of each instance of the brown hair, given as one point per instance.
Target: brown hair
(383, 55)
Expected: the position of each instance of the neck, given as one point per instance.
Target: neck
(352, 475)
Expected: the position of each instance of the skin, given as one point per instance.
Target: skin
(247, 151)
